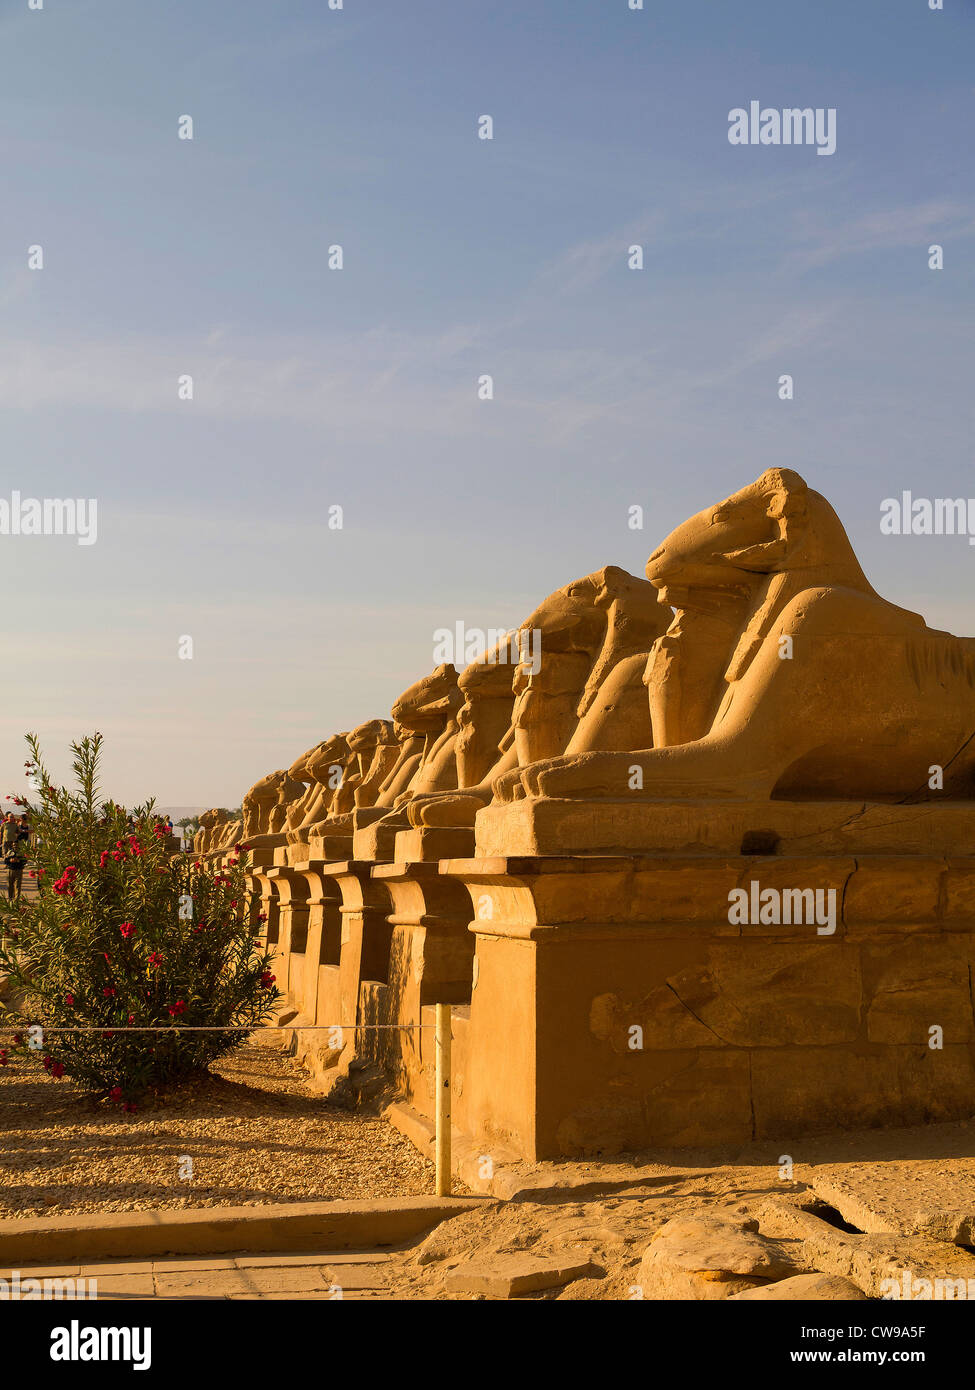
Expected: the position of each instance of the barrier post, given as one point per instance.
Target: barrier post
(443, 1100)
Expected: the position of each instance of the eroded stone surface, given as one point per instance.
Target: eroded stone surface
(711, 1255)
(507, 1275)
(804, 1287)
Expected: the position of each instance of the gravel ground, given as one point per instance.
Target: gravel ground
(255, 1133)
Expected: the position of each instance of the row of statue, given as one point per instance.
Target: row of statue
(754, 661)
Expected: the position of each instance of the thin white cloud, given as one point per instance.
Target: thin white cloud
(912, 225)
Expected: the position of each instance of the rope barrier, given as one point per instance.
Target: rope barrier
(226, 1028)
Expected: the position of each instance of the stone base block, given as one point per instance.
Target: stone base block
(541, 826)
(330, 847)
(376, 842)
(621, 1007)
(262, 858)
(427, 844)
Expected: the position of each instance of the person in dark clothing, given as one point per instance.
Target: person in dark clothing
(16, 843)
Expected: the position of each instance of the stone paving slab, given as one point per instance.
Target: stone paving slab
(328, 1274)
(113, 1267)
(363, 1277)
(897, 1198)
(125, 1286)
(189, 1266)
(330, 1257)
(508, 1275)
(209, 1283)
(309, 1279)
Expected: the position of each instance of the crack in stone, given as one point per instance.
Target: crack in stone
(693, 1015)
(846, 883)
(919, 791)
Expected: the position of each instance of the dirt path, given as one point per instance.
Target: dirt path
(253, 1130)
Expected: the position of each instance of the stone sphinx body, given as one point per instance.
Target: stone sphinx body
(754, 662)
(374, 751)
(226, 835)
(266, 807)
(222, 832)
(426, 717)
(784, 674)
(211, 828)
(290, 791)
(451, 736)
(584, 689)
(323, 768)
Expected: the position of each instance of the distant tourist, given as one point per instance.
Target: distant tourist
(16, 843)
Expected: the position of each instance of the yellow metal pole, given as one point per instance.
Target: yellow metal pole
(443, 1100)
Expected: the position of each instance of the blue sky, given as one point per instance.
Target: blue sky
(358, 387)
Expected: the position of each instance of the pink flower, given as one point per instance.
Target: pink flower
(108, 991)
(69, 1000)
(176, 1009)
(115, 1093)
(127, 929)
(155, 960)
(267, 979)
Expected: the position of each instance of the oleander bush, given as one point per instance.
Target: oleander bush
(123, 934)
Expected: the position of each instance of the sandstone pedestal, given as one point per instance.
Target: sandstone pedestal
(329, 847)
(616, 1007)
(542, 826)
(429, 844)
(367, 949)
(374, 841)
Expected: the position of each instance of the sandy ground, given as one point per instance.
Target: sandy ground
(600, 1218)
(254, 1131)
(854, 1204)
